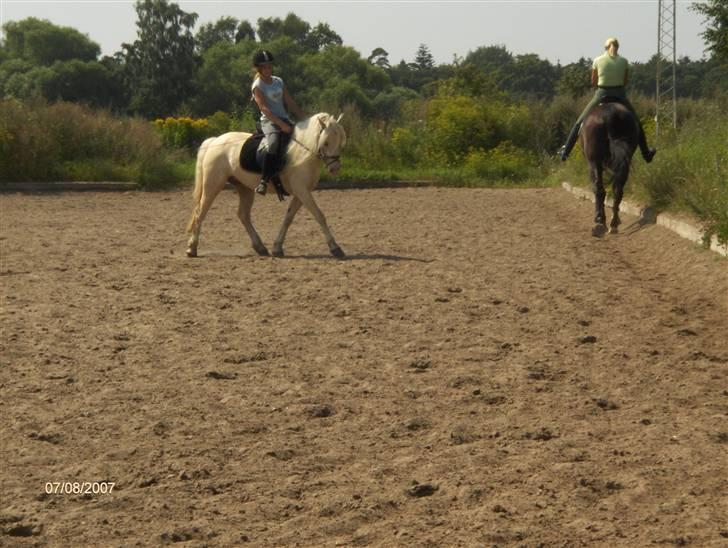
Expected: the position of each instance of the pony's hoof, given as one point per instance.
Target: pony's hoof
(338, 252)
(278, 253)
(599, 230)
(614, 230)
(191, 252)
(262, 251)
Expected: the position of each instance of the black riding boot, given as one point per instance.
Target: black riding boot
(570, 142)
(269, 169)
(647, 153)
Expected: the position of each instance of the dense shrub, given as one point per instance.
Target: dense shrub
(505, 161)
(65, 141)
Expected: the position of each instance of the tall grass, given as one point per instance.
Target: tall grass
(70, 142)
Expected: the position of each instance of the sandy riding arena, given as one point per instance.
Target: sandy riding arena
(479, 371)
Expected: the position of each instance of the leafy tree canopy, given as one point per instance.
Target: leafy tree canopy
(161, 63)
(42, 43)
(716, 34)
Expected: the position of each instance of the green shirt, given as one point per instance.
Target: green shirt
(611, 70)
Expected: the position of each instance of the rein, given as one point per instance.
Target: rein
(328, 160)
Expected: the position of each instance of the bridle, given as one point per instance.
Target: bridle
(326, 159)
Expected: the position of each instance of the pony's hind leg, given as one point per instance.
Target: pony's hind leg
(600, 218)
(208, 196)
(246, 204)
(287, 220)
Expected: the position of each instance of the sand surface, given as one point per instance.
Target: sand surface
(480, 371)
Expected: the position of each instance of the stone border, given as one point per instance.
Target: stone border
(647, 214)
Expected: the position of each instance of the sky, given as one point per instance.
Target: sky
(557, 30)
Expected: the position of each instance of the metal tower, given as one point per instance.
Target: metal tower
(666, 92)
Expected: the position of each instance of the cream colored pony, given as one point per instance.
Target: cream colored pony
(317, 139)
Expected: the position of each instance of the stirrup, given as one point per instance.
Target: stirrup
(262, 188)
(562, 154)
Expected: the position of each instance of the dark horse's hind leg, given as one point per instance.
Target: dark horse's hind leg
(600, 222)
(618, 186)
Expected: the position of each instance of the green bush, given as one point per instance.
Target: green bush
(505, 161)
(690, 172)
(67, 142)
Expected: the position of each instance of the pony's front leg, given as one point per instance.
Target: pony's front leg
(310, 204)
(600, 222)
(618, 192)
(287, 220)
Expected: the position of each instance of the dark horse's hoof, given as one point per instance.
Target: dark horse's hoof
(599, 230)
(262, 251)
(278, 253)
(338, 252)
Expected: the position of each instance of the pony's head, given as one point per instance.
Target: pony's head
(331, 141)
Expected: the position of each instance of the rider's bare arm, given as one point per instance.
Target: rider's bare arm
(263, 106)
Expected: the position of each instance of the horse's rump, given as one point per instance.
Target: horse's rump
(610, 134)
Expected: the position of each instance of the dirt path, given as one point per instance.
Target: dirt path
(481, 371)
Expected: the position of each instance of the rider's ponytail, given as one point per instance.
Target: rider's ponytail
(611, 45)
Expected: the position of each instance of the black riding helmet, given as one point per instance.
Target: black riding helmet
(262, 57)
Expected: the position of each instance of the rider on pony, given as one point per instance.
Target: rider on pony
(610, 72)
(272, 98)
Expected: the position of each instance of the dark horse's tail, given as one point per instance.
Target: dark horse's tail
(622, 132)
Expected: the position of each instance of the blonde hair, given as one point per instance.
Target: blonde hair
(611, 45)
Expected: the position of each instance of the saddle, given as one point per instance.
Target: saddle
(611, 99)
(252, 155)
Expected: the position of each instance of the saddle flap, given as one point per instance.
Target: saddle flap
(249, 153)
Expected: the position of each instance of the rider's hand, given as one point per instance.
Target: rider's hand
(285, 128)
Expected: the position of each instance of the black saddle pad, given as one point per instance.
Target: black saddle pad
(248, 154)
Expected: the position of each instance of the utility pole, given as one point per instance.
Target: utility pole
(666, 92)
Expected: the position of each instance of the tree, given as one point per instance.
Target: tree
(716, 34)
(322, 36)
(380, 58)
(490, 59)
(468, 80)
(424, 59)
(223, 30)
(80, 82)
(224, 78)
(245, 32)
(272, 28)
(42, 43)
(575, 79)
(161, 63)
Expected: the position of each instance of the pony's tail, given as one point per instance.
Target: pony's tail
(197, 192)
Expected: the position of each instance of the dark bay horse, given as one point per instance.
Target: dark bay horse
(609, 137)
